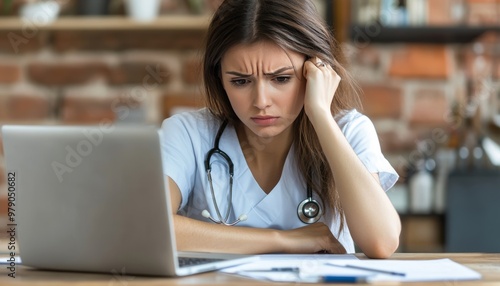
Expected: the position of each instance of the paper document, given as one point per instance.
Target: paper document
(415, 270)
(309, 266)
(313, 269)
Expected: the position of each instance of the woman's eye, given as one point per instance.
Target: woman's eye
(282, 79)
(239, 82)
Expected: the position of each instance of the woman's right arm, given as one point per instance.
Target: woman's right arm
(195, 235)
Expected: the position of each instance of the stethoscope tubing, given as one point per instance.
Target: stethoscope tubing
(307, 206)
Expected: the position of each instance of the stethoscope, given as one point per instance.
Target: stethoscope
(309, 210)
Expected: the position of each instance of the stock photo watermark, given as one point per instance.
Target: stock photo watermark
(75, 155)
(34, 21)
(11, 225)
(138, 94)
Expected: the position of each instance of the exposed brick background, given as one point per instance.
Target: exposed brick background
(429, 107)
(421, 61)
(129, 72)
(28, 107)
(21, 42)
(65, 41)
(83, 87)
(64, 73)
(394, 140)
(9, 73)
(87, 109)
(174, 102)
(368, 57)
(483, 12)
(382, 101)
(191, 71)
(436, 15)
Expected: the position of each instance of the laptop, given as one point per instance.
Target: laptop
(94, 199)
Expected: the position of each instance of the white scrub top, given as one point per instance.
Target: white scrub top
(187, 137)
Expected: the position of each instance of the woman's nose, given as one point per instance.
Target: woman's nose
(262, 97)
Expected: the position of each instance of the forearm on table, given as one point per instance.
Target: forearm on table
(373, 222)
(194, 235)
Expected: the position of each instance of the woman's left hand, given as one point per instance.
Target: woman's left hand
(321, 84)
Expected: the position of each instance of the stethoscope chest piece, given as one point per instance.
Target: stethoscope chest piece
(309, 211)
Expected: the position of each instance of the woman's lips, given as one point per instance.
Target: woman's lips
(264, 120)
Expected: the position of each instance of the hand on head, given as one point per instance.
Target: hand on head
(322, 83)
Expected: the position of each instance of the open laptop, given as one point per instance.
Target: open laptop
(94, 199)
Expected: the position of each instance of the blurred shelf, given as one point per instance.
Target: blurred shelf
(170, 22)
(422, 232)
(376, 33)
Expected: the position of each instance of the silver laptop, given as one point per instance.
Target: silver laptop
(94, 199)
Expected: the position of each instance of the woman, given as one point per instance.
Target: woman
(309, 175)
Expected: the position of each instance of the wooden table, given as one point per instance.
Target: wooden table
(487, 264)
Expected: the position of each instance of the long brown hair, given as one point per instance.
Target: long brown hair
(297, 26)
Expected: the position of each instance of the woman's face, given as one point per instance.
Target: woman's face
(265, 86)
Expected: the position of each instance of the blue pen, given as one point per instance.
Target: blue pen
(344, 279)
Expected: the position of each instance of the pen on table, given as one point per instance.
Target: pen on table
(369, 269)
(356, 279)
(344, 279)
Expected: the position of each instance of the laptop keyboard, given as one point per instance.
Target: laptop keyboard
(189, 261)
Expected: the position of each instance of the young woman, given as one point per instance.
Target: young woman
(280, 160)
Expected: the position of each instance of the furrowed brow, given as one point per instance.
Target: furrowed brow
(278, 71)
(238, 74)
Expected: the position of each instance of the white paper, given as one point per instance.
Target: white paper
(310, 266)
(416, 270)
(314, 267)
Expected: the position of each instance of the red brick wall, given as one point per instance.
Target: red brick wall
(410, 89)
(39, 83)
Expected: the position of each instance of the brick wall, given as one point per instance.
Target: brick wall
(410, 89)
(46, 82)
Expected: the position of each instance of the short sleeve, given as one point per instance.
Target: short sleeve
(362, 136)
(178, 154)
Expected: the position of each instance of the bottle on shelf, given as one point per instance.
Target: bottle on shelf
(421, 187)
